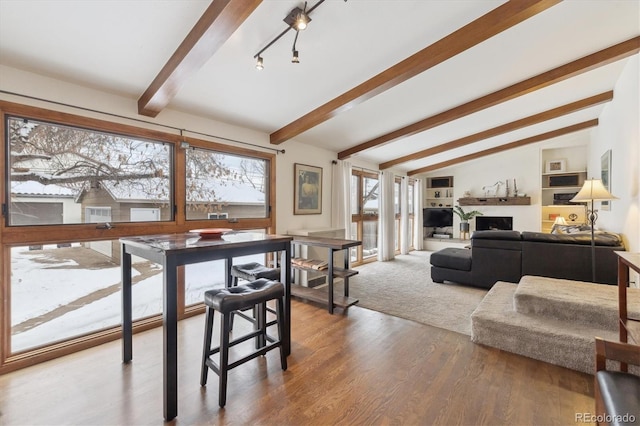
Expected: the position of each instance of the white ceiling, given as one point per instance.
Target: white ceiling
(120, 46)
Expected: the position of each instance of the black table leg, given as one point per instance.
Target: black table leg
(127, 316)
(285, 276)
(170, 341)
(330, 282)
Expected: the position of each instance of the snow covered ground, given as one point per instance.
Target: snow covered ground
(53, 299)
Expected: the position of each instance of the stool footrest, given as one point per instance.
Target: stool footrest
(262, 351)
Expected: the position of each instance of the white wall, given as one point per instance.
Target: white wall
(619, 131)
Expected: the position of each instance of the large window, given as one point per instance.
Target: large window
(223, 186)
(60, 174)
(364, 206)
(72, 186)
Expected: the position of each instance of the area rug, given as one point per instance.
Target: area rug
(403, 288)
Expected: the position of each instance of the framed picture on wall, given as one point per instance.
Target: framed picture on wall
(307, 193)
(605, 175)
(555, 166)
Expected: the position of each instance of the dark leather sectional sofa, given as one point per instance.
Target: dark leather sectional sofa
(508, 255)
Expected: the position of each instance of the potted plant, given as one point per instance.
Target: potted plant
(464, 218)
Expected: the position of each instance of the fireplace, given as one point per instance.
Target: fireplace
(485, 223)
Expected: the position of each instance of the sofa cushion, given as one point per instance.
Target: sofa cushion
(496, 235)
(601, 238)
(452, 258)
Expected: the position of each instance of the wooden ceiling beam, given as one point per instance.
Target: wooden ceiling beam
(540, 81)
(533, 139)
(504, 128)
(494, 22)
(221, 19)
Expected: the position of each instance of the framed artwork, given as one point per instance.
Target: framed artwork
(555, 166)
(307, 193)
(605, 175)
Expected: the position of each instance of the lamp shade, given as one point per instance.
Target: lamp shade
(559, 221)
(593, 190)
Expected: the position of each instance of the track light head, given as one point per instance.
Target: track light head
(295, 59)
(297, 19)
(259, 64)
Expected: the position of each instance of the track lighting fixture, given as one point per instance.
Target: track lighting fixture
(298, 19)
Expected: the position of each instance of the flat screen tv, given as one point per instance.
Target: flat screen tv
(437, 218)
(487, 223)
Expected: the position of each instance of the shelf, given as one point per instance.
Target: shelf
(319, 295)
(495, 201)
(337, 272)
(570, 172)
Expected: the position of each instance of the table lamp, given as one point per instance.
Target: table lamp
(593, 190)
(559, 221)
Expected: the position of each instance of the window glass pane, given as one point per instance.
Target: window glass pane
(61, 291)
(355, 205)
(60, 174)
(370, 196)
(369, 239)
(353, 235)
(221, 186)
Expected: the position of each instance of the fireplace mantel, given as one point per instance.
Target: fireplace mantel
(494, 201)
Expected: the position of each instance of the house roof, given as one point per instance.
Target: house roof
(412, 85)
(36, 189)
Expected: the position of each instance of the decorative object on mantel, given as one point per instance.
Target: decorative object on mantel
(520, 200)
(464, 220)
(466, 194)
(515, 188)
(492, 190)
(593, 190)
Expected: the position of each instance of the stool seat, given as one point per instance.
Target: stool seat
(225, 300)
(253, 270)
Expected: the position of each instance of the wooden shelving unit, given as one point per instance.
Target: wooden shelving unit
(326, 295)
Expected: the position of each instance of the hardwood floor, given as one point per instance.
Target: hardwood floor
(360, 368)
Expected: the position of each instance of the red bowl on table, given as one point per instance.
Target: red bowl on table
(211, 233)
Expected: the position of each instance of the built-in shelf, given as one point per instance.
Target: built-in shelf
(494, 201)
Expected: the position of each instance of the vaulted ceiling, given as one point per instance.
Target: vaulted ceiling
(408, 85)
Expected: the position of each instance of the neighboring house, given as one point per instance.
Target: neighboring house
(33, 203)
(148, 200)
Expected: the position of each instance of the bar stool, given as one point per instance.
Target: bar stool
(252, 271)
(226, 301)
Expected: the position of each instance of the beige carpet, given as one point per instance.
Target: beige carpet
(403, 288)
